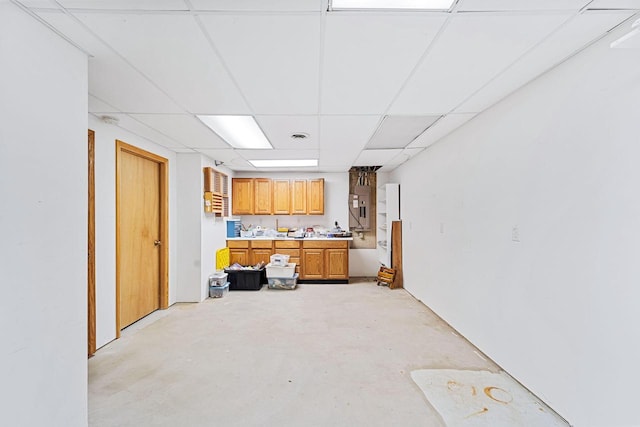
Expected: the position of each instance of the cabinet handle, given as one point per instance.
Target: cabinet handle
(157, 243)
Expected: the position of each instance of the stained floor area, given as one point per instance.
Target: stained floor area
(321, 355)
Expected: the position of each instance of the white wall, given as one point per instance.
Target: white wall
(199, 234)
(557, 309)
(43, 225)
(213, 232)
(105, 173)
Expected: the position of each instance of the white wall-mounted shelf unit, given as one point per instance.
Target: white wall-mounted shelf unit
(388, 210)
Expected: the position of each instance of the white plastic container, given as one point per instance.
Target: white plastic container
(218, 291)
(219, 278)
(287, 270)
(288, 283)
(279, 260)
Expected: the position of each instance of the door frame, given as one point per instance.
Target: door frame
(123, 147)
(91, 245)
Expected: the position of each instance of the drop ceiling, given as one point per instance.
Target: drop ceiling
(298, 68)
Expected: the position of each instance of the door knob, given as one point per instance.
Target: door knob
(157, 242)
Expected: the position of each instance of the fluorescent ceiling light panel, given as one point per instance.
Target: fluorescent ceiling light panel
(392, 4)
(284, 163)
(238, 131)
(630, 40)
(400, 131)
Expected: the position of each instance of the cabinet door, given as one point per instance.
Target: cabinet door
(312, 264)
(281, 197)
(242, 196)
(299, 196)
(315, 196)
(241, 256)
(263, 196)
(261, 255)
(337, 263)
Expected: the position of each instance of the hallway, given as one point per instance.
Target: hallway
(322, 355)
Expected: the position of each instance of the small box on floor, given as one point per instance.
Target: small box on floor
(218, 291)
(283, 282)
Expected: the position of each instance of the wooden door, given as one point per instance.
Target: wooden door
(242, 196)
(91, 254)
(281, 197)
(337, 263)
(315, 192)
(312, 264)
(141, 234)
(299, 196)
(263, 196)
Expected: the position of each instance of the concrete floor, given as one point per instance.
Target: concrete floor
(321, 355)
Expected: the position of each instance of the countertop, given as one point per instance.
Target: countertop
(289, 238)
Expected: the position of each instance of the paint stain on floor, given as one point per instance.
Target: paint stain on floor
(483, 398)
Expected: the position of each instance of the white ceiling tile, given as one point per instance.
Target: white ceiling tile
(227, 156)
(369, 56)
(279, 129)
(47, 4)
(376, 157)
(184, 128)
(278, 154)
(503, 5)
(472, 50)
(440, 129)
(573, 36)
(144, 131)
(343, 137)
(98, 106)
(399, 131)
(110, 78)
(173, 53)
(258, 5)
(125, 4)
(184, 150)
(615, 4)
(274, 59)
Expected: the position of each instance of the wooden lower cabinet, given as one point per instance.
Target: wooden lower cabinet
(315, 259)
(312, 264)
(261, 255)
(291, 248)
(325, 260)
(240, 256)
(336, 263)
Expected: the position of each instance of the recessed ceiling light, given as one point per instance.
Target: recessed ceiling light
(238, 131)
(392, 4)
(284, 163)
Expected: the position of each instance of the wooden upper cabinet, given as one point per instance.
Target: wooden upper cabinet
(242, 196)
(281, 197)
(262, 188)
(315, 196)
(299, 196)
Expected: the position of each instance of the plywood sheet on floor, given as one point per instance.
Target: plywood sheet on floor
(482, 399)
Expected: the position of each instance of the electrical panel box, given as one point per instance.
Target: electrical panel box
(360, 208)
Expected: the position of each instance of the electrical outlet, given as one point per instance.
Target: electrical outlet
(515, 233)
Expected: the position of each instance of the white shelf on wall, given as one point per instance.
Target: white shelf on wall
(389, 210)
